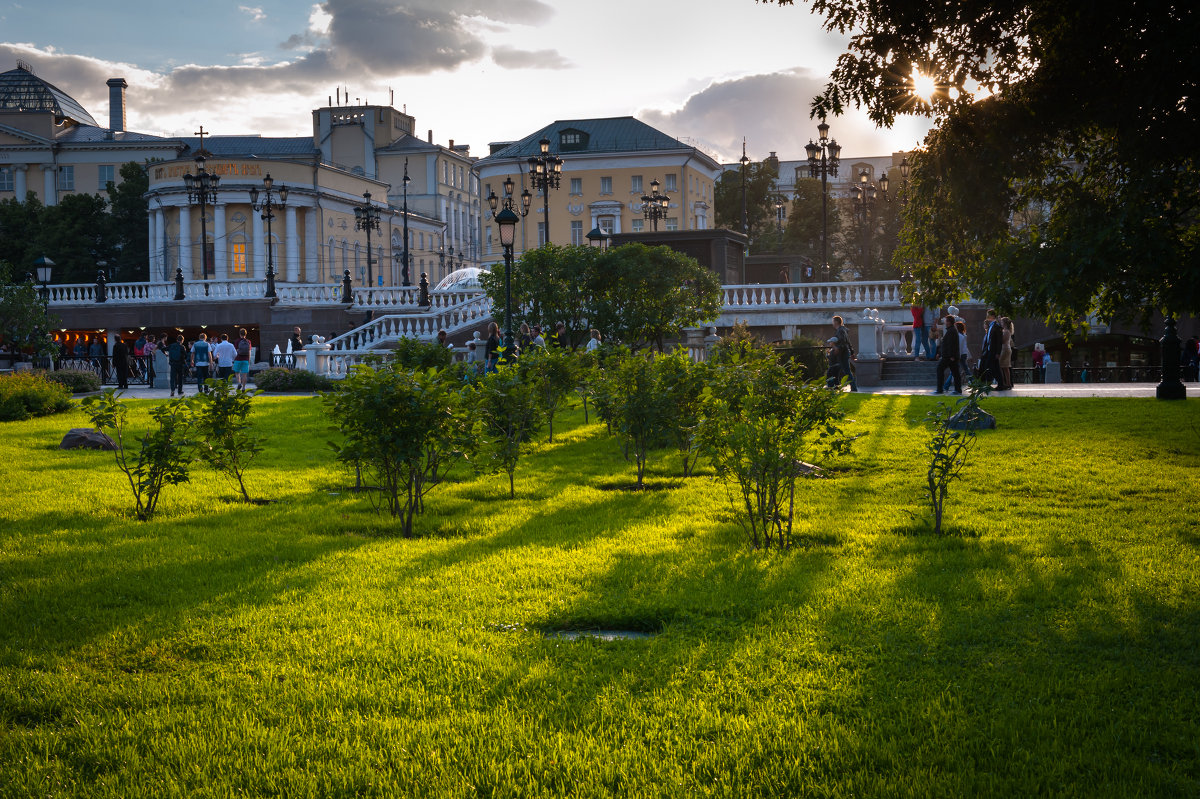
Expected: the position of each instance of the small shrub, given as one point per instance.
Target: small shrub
(412, 353)
(222, 426)
(949, 447)
(77, 381)
(292, 380)
(808, 353)
(25, 395)
(510, 411)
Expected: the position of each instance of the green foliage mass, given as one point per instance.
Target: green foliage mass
(25, 324)
(222, 426)
(24, 395)
(510, 411)
(77, 381)
(275, 379)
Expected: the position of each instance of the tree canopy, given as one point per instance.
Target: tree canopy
(761, 177)
(1062, 178)
(634, 294)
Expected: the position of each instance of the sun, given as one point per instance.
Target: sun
(923, 86)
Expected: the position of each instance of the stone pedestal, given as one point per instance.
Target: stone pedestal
(316, 356)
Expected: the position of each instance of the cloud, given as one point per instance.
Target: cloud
(513, 58)
(255, 14)
(772, 112)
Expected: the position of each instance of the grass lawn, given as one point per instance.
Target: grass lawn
(301, 649)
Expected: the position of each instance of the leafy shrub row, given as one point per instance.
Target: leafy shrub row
(292, 380)
(25, 395)
(77, 381)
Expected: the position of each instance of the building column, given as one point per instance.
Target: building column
(152, 229)
(312, 247)
(293, 246)
(49, 195)
(185, 241)
(19, 171)
(158, 246)
(260, 246)
(220, 245)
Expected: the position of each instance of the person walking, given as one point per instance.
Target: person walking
(922, 319)
(201, 358)
(241, 359)
(844, 351)
(224, 353)
(989, 355)
(120, 361)
(492, 351)
(594, 342)
(148, 350)
(948, 350)
(176, 354)
(1006, 328)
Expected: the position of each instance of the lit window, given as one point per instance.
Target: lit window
(239, 257)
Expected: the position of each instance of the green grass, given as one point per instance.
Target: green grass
(300, 649)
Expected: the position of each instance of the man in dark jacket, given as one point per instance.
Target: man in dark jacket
(948, 350)
(177, 357)
(989, 356)
(120, 362)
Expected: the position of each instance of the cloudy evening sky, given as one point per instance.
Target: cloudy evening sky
(706, 71)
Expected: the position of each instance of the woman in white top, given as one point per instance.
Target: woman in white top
(594, 342)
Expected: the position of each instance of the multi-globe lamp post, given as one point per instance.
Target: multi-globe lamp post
(265, 204)
(202, 190)
(824, 156)
(506, 219)
(545, 173)
(366, 217)
(655, 205)
(864, 203)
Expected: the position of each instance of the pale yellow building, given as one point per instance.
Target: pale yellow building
(608, 166)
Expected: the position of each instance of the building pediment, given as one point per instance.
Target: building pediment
(10, 136)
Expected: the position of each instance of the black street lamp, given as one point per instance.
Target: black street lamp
(864, 203)
(598, 238)
(404, 254)
(366, 217)
(902, 194)
(545, 173)
(267, 207)
(744, 161)
(823, 159)
(1170, 387)
(655, 205)
(506, 220)
(44, 267)
(202, 190)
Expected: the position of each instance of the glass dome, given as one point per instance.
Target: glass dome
(465, 278)
(21, 90)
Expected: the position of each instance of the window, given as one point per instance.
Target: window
(445, 172)
(576, 232)
(572, 139)
(606, 185)
(607, 224)
(671, 182)
(66, 178)
(577, 186)
(672, 223)
(239, 257)
(639, 225)
(107, 175)
(421, 239)
(635, 184)
(6, 179)
(541, 233)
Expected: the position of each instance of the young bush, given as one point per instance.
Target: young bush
(163, 455)
(292, 380)
(25, 395)
(634, 406)
(221, 418)
(553, 374)
(412, 353)
(77, 381)
(681, 383)
(403, 428)
(510, 411)
(807, 354)
(760, 424)
(953, 438)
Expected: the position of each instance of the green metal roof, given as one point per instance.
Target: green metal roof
(21, 90)
(587, 136)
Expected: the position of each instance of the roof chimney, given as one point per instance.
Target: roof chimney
(431, 135)
(452, 144)
(116, 104)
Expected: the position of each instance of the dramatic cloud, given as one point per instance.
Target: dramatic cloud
(772, 113)
(512, 58)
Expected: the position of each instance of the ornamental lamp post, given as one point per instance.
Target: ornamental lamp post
(404, 254)
(366, 217)
(864, 201)
(823, 159)
(655, 205)
(202, 190)
(545, 173)
(267, 207)
(506, 220)
(744, 161)
(598, 238)
(44, 267)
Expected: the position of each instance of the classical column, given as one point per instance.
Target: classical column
(19, 171)
(220, 245)
(185, 241)
(152, 234)
(49, 195)
(158, 246)
(260, 246)
(293, 246)
(312, 247)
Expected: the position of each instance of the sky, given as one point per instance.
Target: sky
(708, 72)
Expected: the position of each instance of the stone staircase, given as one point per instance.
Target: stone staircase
(900, 373)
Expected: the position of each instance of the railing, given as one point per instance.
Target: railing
(470, 308)
(102, 367)
(795, 295)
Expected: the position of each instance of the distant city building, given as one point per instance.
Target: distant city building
(608, 165)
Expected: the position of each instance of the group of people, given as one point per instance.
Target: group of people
(199, 359)
(995, 358)
(528, 337)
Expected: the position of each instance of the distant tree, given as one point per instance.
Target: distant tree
(549, 285)
(20, 227)
(24, 322)
(130, 257)
(761, 179)
(77, 233)
(804, 227)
